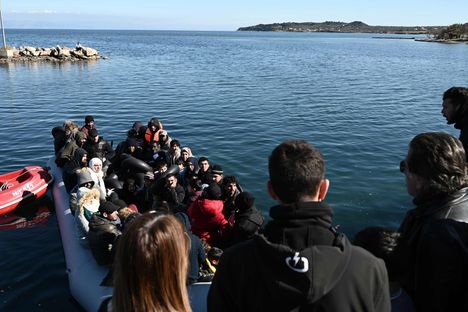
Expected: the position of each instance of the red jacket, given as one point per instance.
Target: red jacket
(207, 219)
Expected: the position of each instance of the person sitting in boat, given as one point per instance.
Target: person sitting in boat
(126, 216)
(89, 124)
(164, 141)
(206, 215)
(87, 206)
(85, 184)
(204, 171)
(103, 233)
(174, 152)
(230, 192)
(69, 173)
(145, 194)
(60, 139)
(185, 153)
(208, 268)
(217, 174)
(69, 149)
(98, 147)
(71, 128)
(97, 174)
(197, 252)
(152, 132)
(194, 188)
(248, 219)
(128, 193)
(159, 242)
(172, 193)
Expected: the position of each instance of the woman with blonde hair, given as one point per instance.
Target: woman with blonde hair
(150, 268)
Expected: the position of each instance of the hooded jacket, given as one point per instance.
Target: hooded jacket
(300, 264)
(102, 238)
(434, 246)
(207, 219)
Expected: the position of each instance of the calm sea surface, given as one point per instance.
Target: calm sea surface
(232, 96)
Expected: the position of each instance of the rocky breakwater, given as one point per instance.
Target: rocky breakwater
(55, 54)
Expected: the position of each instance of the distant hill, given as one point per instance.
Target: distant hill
(353, 27)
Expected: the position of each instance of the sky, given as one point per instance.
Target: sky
(225, 15)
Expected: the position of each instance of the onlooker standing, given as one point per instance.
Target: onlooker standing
(301, 263)
(455, 110)
(434, 235)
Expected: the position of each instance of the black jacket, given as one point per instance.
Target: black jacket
(102, 239)
(246, 225)
(300, 264)
(434, 248)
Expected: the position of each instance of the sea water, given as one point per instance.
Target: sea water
(231, 96)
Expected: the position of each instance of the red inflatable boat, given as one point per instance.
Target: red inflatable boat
(22, 185)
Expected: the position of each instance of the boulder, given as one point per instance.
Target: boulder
(89, 51)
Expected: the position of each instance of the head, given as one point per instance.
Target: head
(81, 157)
(171, 180)
(217, 172)
(204, 164)
(214, 254)
(185, 153)
(244, 201)
(149, 178)
(230, 186)
(297, 173)
(455, 104)
(80, 138)
(85, 179)
(70, 127)
(95, 164)
(129, 185)
(150, 269)
(109, 211)
(435, 166)
(212, 191)
(175, 147)
(380, 242)
(89, 121)
(161, 166)
(154, 124)
(93, 135)
(163, 136)
(181, 164)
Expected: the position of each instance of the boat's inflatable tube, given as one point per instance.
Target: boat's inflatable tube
(134, 164)
(84, 274)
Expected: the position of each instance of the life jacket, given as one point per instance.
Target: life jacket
(150, 136)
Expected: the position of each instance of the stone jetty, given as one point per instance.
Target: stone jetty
(55, 54)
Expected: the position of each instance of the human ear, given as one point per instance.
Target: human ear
(323, 189)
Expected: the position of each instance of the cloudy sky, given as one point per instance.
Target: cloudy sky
(224, 15)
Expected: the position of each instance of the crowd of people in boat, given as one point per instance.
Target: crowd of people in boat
(184, 208)
(150, 171)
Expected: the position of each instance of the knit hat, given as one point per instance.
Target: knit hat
(213, 191)
(89, 118)
(108, 207)
(217, 169)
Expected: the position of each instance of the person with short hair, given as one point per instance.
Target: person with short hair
(300, 263)
(455, 110)
(230, 192)
(204, 171)
(434, 240)
(174, 152)
(150, 271)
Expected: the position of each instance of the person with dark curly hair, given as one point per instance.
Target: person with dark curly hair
(455, 110)
(434, 235)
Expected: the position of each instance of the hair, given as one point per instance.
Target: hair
(151, 266)
(459, 98)
(440, 161)
(175, 142)
(203, 158)
(381, 242)
(214, 253)
(229, 180)
(296, 169)
(87, 198)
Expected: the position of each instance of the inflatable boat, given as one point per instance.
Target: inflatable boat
(22, 186)
(84, 274)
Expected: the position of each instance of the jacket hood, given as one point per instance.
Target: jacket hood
(84, 177)
(295, 277)
(184, 219)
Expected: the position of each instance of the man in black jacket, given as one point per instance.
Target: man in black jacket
(300, 263)
(103, 233)
(434, 235)
(455, 110)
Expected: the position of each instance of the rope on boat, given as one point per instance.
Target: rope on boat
(6, 184)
